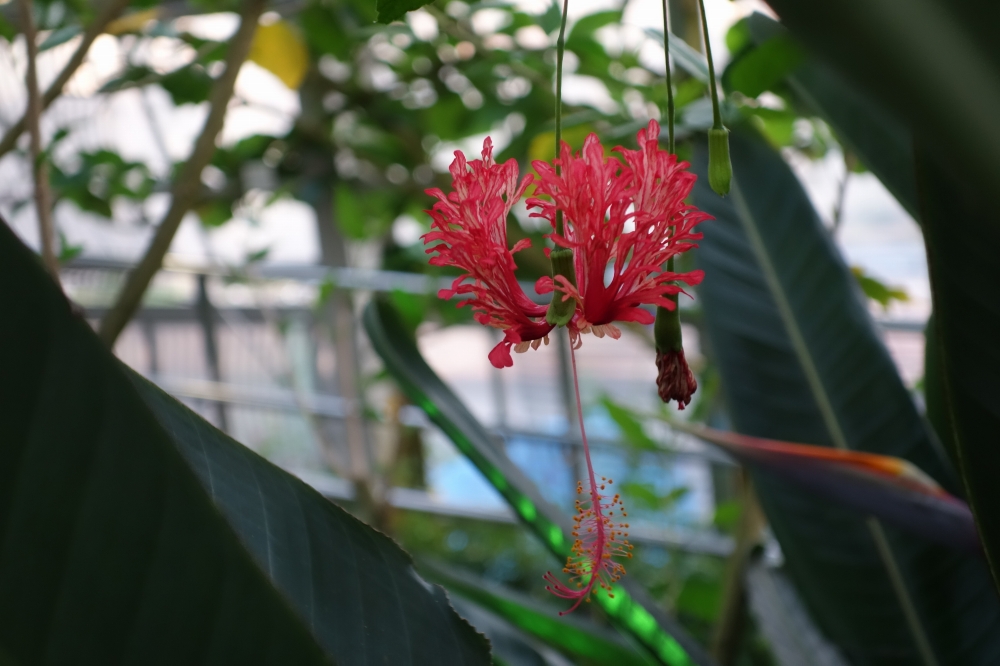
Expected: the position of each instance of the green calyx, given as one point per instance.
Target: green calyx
(720, 169)
(561, 311)
(667, 329)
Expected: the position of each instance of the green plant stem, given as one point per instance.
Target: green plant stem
(40, 169)
(560, 51)
(670, 85)
(716, 114)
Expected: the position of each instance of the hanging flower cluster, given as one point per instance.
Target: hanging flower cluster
(624, 219)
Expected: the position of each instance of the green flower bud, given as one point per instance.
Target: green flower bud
(667, 329)
(720, 169)
(561, 312)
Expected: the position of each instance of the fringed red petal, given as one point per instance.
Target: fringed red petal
(469, 231)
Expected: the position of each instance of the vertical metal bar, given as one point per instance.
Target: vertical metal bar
(152, 350)
(498, 389)
(206, 316)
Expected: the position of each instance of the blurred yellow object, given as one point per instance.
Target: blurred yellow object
(280, 49)
(543, 146)
(134, 22)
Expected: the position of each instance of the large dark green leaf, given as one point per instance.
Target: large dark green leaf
(962, 231)
(962, 361)
(630, 608)
(801, 361)
(131, 531)
(935, 63)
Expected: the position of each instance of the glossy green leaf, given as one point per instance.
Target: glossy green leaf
(571, 633)
(133, 532)
(801, 361)
(760, 68)
(777, 125)
(187, 85)
(630, 609)
(877, 290)
(685, 57)
(629, 425)
(59, 36)
(393, 10)
(99, 178)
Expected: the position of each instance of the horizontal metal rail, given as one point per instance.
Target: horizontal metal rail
(335, 407)
(365, 279)
(706, 542)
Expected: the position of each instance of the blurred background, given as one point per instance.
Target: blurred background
(313, 202)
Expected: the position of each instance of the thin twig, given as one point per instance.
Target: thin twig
(838, 204)
(731, 623)
(40, 169)
(187, 186)
(670, 86)
(109, 13)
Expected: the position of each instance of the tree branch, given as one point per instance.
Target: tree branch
(731, 623)
(110, 11)
(40, 169)
(187, 186)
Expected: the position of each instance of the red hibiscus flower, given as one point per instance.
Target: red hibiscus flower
(623, 220)
(471, 225)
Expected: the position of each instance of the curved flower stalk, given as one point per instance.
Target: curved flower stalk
(471, 225)
(624, 220)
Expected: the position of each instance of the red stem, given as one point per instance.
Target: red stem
(595, 497)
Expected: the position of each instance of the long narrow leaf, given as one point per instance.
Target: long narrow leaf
(630, 608)
(687, 58)
(571, 634)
